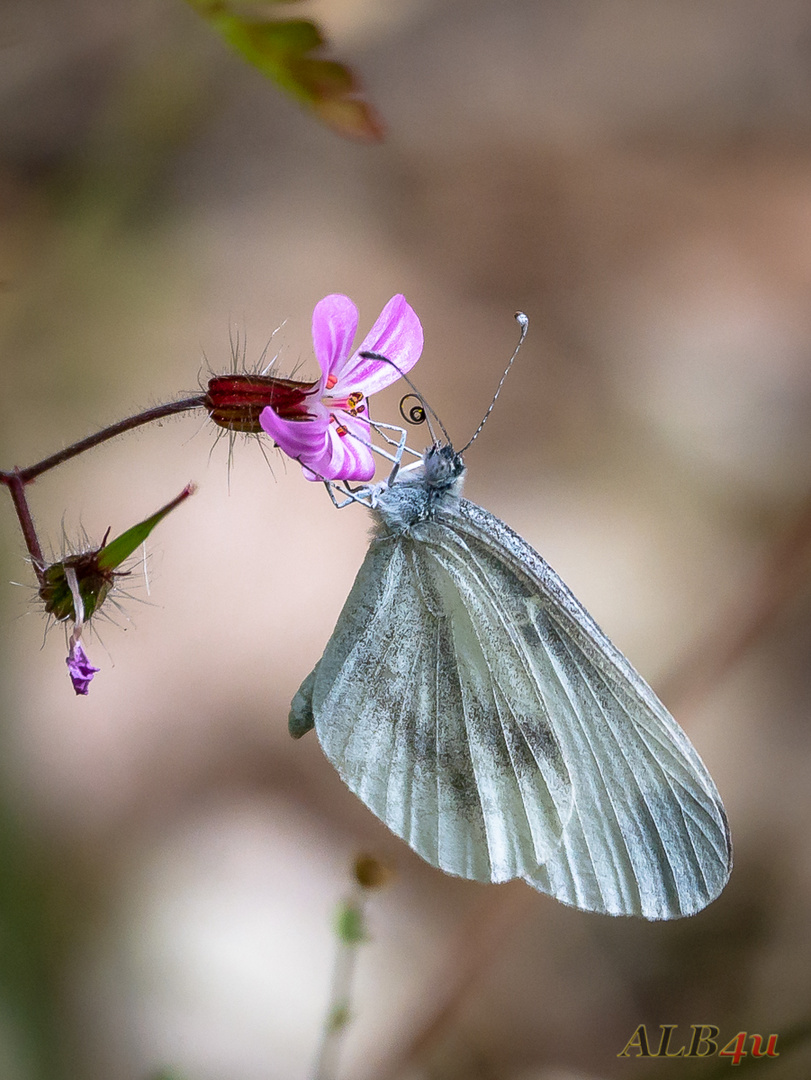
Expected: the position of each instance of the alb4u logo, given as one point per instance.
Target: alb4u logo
(703, 1043)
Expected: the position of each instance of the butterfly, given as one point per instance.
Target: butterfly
(477, 709)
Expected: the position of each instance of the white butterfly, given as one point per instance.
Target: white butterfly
(472, 703)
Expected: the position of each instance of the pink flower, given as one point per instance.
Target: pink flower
(80, 668)
(328, 430)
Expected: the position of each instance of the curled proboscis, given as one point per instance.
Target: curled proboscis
(412, 409)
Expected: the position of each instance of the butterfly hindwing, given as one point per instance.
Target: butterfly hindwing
(444, 742)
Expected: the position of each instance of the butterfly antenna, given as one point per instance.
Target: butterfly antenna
(425, 405)
(523, 322)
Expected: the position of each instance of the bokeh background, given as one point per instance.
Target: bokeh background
(636, 176)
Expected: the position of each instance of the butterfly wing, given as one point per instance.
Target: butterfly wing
(427, 703)
(648, 834)
(470, 701)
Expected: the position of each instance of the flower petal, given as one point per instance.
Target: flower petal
(335, 321)
(299, 439)
(348, 456)
(397, 335)
(80, 668)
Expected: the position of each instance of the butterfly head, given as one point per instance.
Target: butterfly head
(443, 468)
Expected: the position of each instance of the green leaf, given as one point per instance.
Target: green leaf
(349, 925)
(114, 553)
(283, 51)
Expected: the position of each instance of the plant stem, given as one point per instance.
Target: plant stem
(16, 486)
(16, 479)
(338, 1013)
(146, 417)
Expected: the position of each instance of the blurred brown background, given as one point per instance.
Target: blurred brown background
(634, 175)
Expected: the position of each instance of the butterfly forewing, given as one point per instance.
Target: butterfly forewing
(648, 834)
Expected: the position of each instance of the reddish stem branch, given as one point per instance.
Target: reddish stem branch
(17, 479)
(16, 486)
(146, 417)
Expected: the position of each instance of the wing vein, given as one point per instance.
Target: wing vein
(664, 857)
(609, 800)
(478, 786)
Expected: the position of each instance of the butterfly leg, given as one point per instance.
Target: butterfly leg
(359, 494)
(399, 445)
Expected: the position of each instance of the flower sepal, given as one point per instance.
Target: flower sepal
(93, 583)
(235, 402)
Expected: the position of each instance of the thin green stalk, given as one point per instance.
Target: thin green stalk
(351, 933)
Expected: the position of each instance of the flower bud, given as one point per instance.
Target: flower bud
(234, 402)
(371, 873)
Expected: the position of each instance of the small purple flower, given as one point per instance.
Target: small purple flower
(80, 668)
(329, 432)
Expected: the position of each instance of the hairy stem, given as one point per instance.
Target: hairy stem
(17, 479)
(16, 486)
(146, 417)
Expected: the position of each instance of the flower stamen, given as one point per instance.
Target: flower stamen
(353, 404)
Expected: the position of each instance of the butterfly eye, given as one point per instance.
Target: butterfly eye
(412, 413)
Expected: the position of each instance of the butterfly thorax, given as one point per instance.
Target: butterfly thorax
(417, 495)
